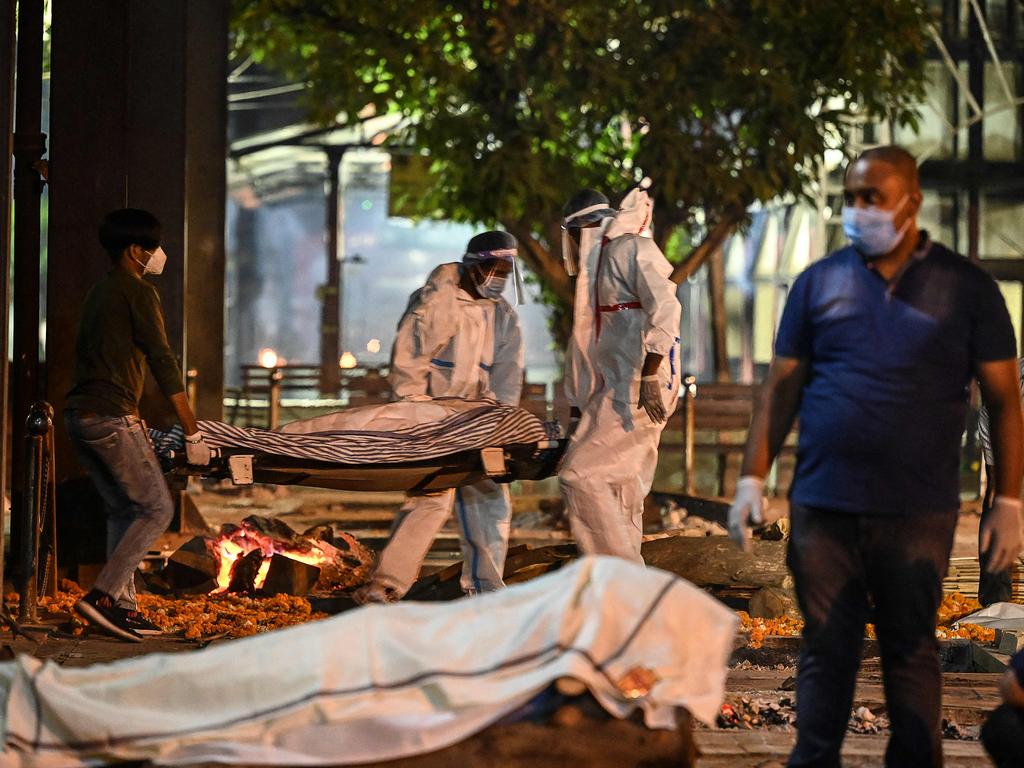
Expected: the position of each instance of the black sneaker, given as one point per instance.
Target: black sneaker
(138, 623)
(99, 610)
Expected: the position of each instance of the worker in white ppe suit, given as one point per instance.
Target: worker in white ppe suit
(622, 369)
(457, 338)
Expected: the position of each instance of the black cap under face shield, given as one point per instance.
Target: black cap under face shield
(496, 245)
(584, 209)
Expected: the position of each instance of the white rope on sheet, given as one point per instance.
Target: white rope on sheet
(486, 426)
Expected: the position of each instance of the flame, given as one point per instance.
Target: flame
(240, 542)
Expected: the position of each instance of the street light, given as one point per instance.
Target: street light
(267, 358)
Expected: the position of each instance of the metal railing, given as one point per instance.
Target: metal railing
(37, 515)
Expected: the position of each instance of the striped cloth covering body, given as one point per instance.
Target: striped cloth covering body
(487, 425)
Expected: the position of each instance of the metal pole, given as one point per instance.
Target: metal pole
(37, 426)
(330, 316)
(191, 387)
(274, 395)
(976, 58)
(689, 394)
(29, 146)
(7, 40)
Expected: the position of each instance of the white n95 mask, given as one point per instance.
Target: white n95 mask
(157, 260)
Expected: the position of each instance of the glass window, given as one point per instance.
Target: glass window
(1002, 133)
(934, 135)
(937, 216)
(997, 16)
(1002, 227)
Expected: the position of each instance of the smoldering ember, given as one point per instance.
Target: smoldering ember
(512, 384)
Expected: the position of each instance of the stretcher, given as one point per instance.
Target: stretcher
(418, 446)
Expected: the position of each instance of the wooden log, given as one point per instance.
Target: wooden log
(713, 562)
(323, 532)
(716, 562)
(578, 733)
(272, 527)
(290, 577)
(192, 569)
(243, 572)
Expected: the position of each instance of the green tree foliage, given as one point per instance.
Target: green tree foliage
(519, 103)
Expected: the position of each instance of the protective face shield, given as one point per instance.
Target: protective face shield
(490, 246)
(872, 231)
(155, 264)
(586, 208)
(575, 242)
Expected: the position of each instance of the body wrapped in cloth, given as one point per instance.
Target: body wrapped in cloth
(384, 682)
(414, 444)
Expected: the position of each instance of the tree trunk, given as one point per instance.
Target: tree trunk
(716, 294)
(712, 241)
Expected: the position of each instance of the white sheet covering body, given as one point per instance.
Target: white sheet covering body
(1008, 616)
(386, 417)
(381, 682)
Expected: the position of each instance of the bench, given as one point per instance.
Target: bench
(360, 386)
(718, 408)
(535, 400)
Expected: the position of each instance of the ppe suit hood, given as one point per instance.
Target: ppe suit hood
(634, 215)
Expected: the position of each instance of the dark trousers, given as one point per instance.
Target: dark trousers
(1003, 736)
(992, 587)
(848, 570)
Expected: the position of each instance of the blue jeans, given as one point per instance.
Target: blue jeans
(119, 457)
(850, 569)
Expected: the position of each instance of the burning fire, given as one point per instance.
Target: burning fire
(240, 542)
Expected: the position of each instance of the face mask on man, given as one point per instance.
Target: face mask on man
(490, 285)
(155, 264)
(872, 231)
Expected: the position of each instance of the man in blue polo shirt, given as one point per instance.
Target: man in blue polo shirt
(875, 350)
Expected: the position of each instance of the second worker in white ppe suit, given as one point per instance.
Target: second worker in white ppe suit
(622, 369)
(457, 338)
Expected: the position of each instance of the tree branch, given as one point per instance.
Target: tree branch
(724, 227)
(546, 265)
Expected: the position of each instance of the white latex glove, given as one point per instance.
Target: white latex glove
(1001, 538)
(747, 510)
(197, 452)
(650, 398)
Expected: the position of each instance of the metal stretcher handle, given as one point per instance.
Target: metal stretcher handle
(215, 453)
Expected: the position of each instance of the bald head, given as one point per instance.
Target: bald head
(883, 177)
(899, 161)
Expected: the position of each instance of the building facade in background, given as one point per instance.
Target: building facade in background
(969, 142)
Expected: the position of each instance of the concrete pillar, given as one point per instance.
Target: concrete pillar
(138, 119)
(7, 35)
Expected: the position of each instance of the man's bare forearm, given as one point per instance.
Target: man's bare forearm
(774, 414)
(183, 410)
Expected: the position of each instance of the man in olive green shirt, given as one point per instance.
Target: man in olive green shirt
(122, 328)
